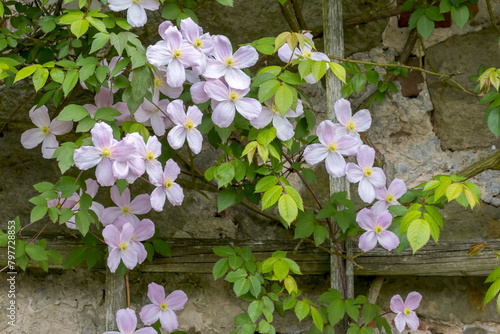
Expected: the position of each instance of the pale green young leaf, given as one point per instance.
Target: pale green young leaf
(100, 39)
(492, 291)
(301, 310)
(453, 191)
(283, 99)
(287, 208)
(255, 310)
(418, 234)
(79, 27)
(266, 183)
(338, 70)
(40, 78)
(271, 196)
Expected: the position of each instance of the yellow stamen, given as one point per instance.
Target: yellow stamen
(163, 306)
(137, 1)
(45, 129)
(378, 229)
(105, 152)
(390, 198)
(367, 172)
(350, 126)
(158, 82)
(126, 209)
(197, 43)
(150, 156)
(307, 54)
(177, 53)
(168, 183)
(233, 96)
(275, 109)
(229, 62)
(332, 147)
(189, 125)
(133, 238)
(157, 110)
(407, 311)
(123, 246)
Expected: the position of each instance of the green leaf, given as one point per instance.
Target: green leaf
(255, 286)
(318, 69)
(338, 70)
(460, 15)
(268, 89)
(281, 269)
(492, 291)
(70, 82)
(75, 257)
(435, 214)
(494, 121)
(96, 23)
(26, 72)
(291, 78)
(93, 255)
(73, 112)
(305, 224)
(335, 311)
(225, 173)
(220, 268)
(106, 114)
(226, 198)
(266, 183)
(38, 212)
(36, 252)
(224, 251)
(100, 39)
(162, 247)
(226, 2)
(296, 197)
(301, 310)
(317, 318)
(271, 196)
(433, 13)
(444, 6)
(398, 210)
(287, 208)
(370, 311)
(352, 309)
(418, 234)
(119, 41)
(40, 78)
(425, 26)
(79, 27)
(241, 286)
(82, 221)
(55, 256)
(453, 191)
(255, 310)
(170, 11)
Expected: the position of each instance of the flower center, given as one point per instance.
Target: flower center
(407, 311)
(275, 109)
(332, 147)
(390, 198)
(106, 152)
(307, 54)
(157, 111)
(189, 125)
(45, 129)
(177, 53)
(158, 82)
(123, 246)
(168, 183)
(133, 238)
(137, 1)
(378, 229)
(350, 126)
(150, 156)
(163, 306)
(197, 43)
(126, 209)
(229, 62)
(367, 172)
(233, 96)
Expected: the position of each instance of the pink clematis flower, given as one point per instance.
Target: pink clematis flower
(203, 43)
(360, 122)
(126, 320)
(126, 208)
(369, 177)
(229, 65)
(185, 126)
(198, 93)
(105, 99)
(227, 100)
(405, 311)
(176, 54)
(333, 146)
(154, 112)
(119, 246)
(98, 208)
(148, 152)
(305, 52)
(143, 230)
(162, 86)
(45, 132)
(376, 230)
(389, 196)
(271, 113)
(163, 308)
(110, 156)
(165, 186)
(136, 15)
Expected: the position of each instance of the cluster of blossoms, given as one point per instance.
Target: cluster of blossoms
(161, 309)
(343, 139)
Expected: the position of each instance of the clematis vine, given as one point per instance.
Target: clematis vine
(227, 100)
(376, 226)
(136, 15)
(45, 132)
(176, 54)
(166, 188)
(126, 208)
(163, 308)
(271, 113)
(229, 65)
(185, 126)
(126, 321)
(369, 177)
(119, 246)
(331, 148)
(110, 156)
(405, 311)
(360, 122)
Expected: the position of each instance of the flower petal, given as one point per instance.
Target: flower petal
(87, 157)
(343, 111)
(195, 140)
(367, 241)
(175, 194)
(362, 120)
(413, 300)
(366, 219)
(104, 173)
(397, 188)
(388, 240)
(326, 132)
(223, 114)
(366, 191)
(102, 135)
(397, 305)
(354, 172)
(150, 314)
(315, 153)
(32, 137)
(126, 320)
(236, 78)
(144, 230)
(176, 74)
(378, 177)
(168, 320)
(176, 300)
(158, 198)
(136, 15)
(60, 128)
(245, 56)
(335, 164)
(366, 156)
(412, 321)
(109, 215)
(400, 322)
(40, 117)
(248, 108)
(284, 129)
(141, 204)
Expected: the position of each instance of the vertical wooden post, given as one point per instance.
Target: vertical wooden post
(115, 298)
(334, 46)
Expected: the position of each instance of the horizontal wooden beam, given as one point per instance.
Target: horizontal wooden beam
(448, 258)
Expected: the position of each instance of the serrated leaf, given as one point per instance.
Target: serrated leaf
(255, 310)
(271, 196)
(335, 311)
(339, 71)
(408, 219)
(453, 191)
(418, 234)
(266, 183)
(268, 89)
(492, 291)
(317, 318)
(460, 15)
(287, 208)
(75, 257)
(224, 251)
(220, 268)
(281, 269)
(79, 27)
(301, 310)
(283, 99)
(226, 198)
(241, 286)
(36, 252)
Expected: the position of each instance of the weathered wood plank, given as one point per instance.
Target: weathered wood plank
(448, 258)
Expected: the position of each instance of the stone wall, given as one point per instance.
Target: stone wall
(435, 131)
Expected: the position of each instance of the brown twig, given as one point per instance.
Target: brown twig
(127, 287)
